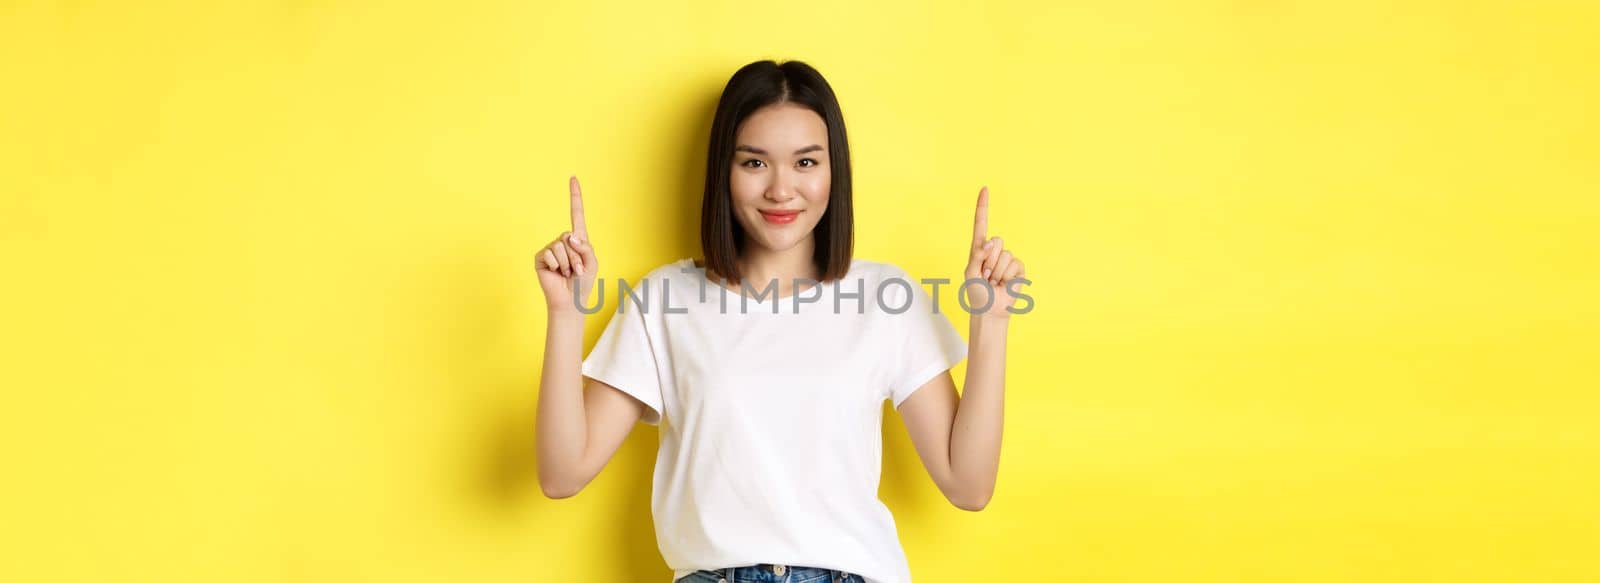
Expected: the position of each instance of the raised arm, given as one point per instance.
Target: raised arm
(581, 422)
(958, 437)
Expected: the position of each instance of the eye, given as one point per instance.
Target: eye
(807, 162)
(752, 163)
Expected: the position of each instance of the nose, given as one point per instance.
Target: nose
(779, 194)
(781, 190)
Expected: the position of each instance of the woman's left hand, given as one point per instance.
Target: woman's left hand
(989, 260)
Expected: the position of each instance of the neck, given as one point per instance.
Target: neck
(760, 265)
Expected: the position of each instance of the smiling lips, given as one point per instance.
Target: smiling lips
(779, 217)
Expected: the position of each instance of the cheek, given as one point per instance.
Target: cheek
(745, 187)
(817, 184)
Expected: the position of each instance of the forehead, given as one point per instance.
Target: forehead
(783, 124)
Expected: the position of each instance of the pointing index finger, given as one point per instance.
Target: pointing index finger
(577, 209)
(980, 219)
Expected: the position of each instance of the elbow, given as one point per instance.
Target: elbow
(555, 488)
(972, 505)
(972, 502)
(554, 492)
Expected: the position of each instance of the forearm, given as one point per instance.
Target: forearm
(976, 432)
(561, 429)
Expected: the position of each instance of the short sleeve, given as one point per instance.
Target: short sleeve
(928, 343)
(623, 358)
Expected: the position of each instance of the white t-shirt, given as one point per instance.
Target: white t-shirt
(772, 445)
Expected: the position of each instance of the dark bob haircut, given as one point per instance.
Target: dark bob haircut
(753, 87)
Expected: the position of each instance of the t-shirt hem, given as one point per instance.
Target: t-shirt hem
(922, 377)
(652, 415)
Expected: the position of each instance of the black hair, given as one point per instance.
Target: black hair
(753, 87)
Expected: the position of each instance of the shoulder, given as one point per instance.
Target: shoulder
(672, 269)
(658, 278)
(871, 270)
(885, 280)
(884, 273)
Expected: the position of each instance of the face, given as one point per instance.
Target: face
(780, 177)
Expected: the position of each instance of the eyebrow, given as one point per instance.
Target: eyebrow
(761, 152)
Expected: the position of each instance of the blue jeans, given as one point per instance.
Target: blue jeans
(766, 573)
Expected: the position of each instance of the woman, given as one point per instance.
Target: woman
(770, 416)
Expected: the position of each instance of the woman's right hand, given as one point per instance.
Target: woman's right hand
(568, 261)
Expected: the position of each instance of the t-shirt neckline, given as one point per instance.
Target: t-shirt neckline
(700, 272)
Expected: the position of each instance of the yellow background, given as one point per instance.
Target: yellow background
(1316, 282)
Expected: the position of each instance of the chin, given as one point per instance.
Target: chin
(783, 244)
